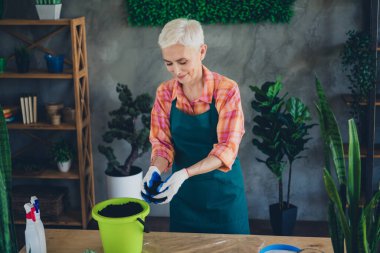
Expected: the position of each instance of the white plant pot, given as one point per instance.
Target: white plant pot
(49, 11)
(64, 166)
(128, 186)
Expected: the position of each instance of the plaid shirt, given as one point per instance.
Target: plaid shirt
(230, 128)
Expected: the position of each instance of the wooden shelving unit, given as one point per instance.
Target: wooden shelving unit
(363, 151)
(76, 75)
(52, 173)
(348, 99)
(373, 101)
(69, 218)
(370, 150)
(42, 126)
(36, 74)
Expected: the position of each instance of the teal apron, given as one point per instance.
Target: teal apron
(213, 202)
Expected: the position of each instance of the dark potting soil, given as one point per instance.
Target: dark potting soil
(123, 210)
(134, 171)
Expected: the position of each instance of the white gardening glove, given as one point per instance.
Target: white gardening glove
(152, 179)
(170, 187)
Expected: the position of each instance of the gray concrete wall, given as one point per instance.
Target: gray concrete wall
(250, 54)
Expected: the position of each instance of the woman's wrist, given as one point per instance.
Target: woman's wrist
(188, 172)
(160, 162)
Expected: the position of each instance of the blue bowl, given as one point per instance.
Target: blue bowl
(280, 247)
(54, 63)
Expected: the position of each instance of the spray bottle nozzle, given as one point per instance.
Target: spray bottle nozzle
(36, 203)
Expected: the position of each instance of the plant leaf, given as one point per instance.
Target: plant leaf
(334, 196)
(354, 179)
(336, 233)
(332, 136)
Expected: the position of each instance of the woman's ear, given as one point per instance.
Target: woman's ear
(203, 50)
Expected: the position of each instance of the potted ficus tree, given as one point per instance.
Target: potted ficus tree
(62, 155)
(129, 123)
(281, 132)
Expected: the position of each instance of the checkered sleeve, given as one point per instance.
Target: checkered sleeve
(230, 128)
(160, 136)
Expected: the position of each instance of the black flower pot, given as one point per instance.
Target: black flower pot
(22, 64)
(283, 220)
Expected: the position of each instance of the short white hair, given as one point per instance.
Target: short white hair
(187, 32)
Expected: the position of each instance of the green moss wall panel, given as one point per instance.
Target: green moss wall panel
(159, 12)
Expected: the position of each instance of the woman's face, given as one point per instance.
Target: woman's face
(184, 62)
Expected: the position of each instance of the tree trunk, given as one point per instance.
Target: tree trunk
(289, 181)
(129, 161)
(280, 194)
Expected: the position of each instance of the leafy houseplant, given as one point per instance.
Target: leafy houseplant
(281, 129)
(22, 56)
(62, 155)
(124, 126)
(351, 223)
(358, 61)
(7, 228)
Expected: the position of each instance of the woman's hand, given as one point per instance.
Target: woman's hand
(150, 183)
(171, 186)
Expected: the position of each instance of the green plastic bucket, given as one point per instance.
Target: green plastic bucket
(121, 235)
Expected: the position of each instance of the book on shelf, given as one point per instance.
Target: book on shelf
(23, 110)
(35, 109)
(28, 109)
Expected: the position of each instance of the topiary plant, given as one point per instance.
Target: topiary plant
(124, 126)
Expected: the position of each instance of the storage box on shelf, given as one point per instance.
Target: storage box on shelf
(52, 201)
(77, 76)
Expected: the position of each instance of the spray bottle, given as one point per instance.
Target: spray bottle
(39, 225)
(32, 241)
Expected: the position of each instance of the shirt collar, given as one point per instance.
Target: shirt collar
(208, 88)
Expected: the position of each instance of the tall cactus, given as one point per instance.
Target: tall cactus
(8, 242)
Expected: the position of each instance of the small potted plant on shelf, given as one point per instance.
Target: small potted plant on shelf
(131, 124)
(354, 226)
(22, 55)
(281, 133)
(62, 155)
(49, 9)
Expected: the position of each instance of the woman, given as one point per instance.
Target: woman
(197, 124)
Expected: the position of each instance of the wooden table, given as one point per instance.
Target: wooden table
(76, 241)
